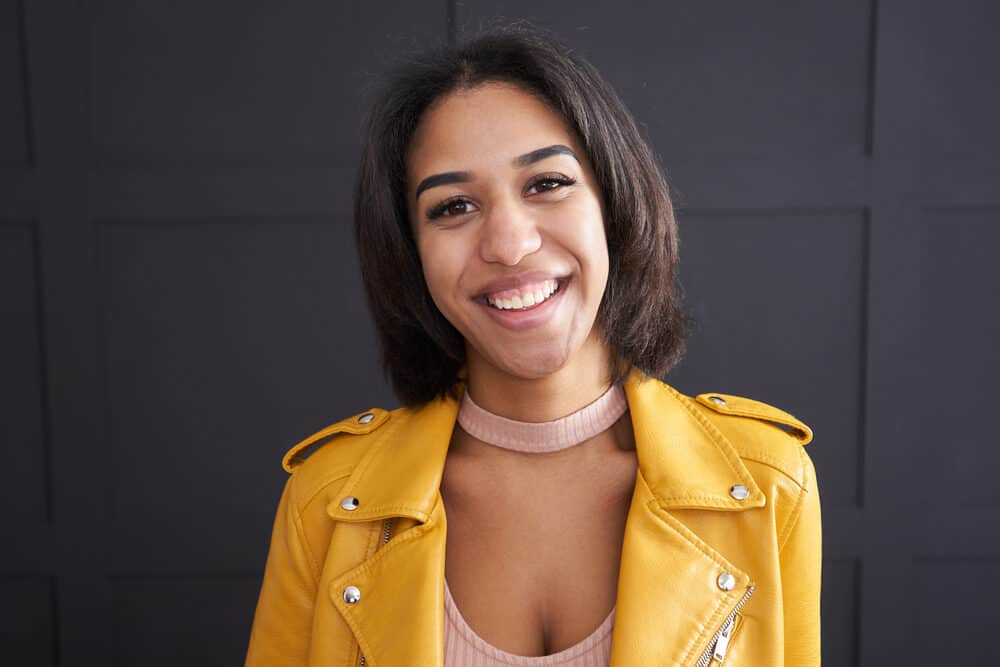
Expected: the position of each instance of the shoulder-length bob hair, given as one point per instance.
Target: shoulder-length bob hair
(641, 313)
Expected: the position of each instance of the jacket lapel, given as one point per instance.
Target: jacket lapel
(400, 617)
(669, 604)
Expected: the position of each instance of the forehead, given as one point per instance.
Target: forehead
(485, 126)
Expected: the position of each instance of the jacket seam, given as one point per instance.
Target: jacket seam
(766, 460)
(300, 531)
(659, 511)
(772, 463)
(341, 473)
(796, 511)
(369, 457)
(754, 413)
(708, 427)
(379, 512)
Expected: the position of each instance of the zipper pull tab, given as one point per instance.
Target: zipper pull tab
(722, 644)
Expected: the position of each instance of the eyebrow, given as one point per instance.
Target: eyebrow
(519, 162)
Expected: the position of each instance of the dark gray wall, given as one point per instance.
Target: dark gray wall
(180, 300)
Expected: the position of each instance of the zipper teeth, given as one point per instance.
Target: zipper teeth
(707, 656)
(386, 534)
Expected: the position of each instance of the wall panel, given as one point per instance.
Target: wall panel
(226, 340)
(778, 299)
(953, 58)
(15, 143)
(27, 621)
(726, 79)
(23, 496)
(201, 619)
(180, 299)
(225, 83)
(952, 618)
(841, 597)
(954, 334)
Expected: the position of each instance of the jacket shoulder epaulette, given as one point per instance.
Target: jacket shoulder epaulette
(759, 432)
(738, 406)
(361, 423)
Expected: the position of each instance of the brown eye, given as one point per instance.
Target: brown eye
(549, 183)
(449, 208)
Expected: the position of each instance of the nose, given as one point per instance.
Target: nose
(508, 235)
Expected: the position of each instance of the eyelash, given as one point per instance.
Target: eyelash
(441, 209)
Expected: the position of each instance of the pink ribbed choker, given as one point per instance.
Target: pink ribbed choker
(550, 436)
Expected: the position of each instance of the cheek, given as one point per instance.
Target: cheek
(440, 271)
(589, 241)
(593, 256)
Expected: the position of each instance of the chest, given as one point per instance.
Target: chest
(533, 551)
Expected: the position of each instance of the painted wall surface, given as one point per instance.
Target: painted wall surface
(180, 300)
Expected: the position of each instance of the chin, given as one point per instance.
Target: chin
(534, 366)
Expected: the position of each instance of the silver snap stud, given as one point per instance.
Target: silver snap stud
(350, 503)
(352, 594)
(366, 418)
(718, 400)
(739, 492)
(727, 582)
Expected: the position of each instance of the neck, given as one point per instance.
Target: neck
(545, 398)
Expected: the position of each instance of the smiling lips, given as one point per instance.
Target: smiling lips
(523, 297)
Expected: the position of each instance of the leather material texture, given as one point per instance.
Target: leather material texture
(684, 529)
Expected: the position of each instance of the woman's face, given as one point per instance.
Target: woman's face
(508, 221)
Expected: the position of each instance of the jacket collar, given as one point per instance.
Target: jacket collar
(684, 459)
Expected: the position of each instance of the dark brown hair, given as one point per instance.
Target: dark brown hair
(641, 312)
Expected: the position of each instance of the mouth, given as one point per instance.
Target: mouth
(527, 297)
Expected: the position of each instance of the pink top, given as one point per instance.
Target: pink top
(462, 646)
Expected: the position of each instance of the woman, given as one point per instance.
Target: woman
(542, 499)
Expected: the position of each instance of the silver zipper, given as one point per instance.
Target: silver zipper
(387, 530)
(386, 534)
(720, 641)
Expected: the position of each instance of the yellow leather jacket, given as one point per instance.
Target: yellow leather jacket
(721, 554)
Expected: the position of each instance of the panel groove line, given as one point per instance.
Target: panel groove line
(451, 17)
(45, 377)
(58, 85)
(856, 627)
(35, 350)
(29, 132)
(872, 82)
(961, 209)
(863, 360)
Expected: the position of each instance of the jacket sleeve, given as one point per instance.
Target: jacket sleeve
(282, 623)
(800, 555)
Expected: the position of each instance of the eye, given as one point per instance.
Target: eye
(450, 207)
(549, 182)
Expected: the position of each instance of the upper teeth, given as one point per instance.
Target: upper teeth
(525, 297)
